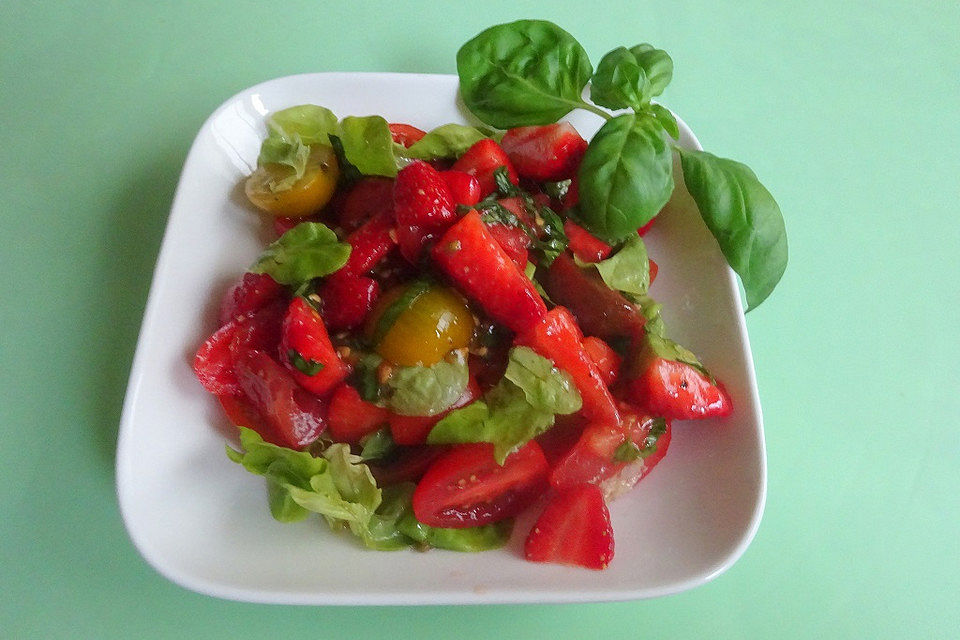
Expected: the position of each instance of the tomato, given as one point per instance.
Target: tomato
(419, 323)
(306, 349)
(294, 416)
(678, 390)
(573, 529)
(584, 244)
(405, 134)
(306, 196)
(368, 197)
(351, 417)
(465, 487)
(595, 457)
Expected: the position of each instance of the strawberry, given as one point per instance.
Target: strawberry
(350, 417)
(545, 153)
(423, 206)
(306, 350)
(252, 292)
(584, 244)
(464, 187)
(347, 300)
(481, 160)
(573, 529)
(368, 197)
(369, 245)
(514, 242)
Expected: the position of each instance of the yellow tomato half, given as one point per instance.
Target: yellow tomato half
(306, 196)
(435, 323)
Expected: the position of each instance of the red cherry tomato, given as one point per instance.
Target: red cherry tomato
(405, 134)
(466, 487)
(351, 417)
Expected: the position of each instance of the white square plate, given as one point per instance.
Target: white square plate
(203, 522)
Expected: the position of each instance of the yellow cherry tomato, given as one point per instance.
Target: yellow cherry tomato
(305, 196)
(436, 322)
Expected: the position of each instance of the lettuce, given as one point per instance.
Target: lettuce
(309, 250)
(627, 270)
(427, 391)
(446, 141)
(519, 408)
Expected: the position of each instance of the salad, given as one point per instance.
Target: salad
(458, 326)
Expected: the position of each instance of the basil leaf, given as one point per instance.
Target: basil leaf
(309, 250)
(304, 365)
(529, 72)
(368, 145)
(625, 178)
(427, 391)
(376, 445)
(629, 451)
(519, 408)
(628, 270)
(743, 217)
(629, 78)
(446, 141)
(666, 119)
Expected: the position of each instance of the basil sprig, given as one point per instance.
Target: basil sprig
(532, 72)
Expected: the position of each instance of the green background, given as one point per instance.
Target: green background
(848, 112)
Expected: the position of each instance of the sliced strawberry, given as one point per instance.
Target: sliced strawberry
(481, 160)
(463, 186)
(348, 300)
(545, 153)
(584, 244)
(369, 245)
(654, 269)
(514, 241)
(306, 350)
(409, 465)
(678, 390)
(423, 206)
(604, 357)
(405, 134)
(252, 292)
(556, 336)
(642, 231)
(572, 197)
(215, 359)
(573, 529)
(470, 256)
(351, 417)
(368, 197)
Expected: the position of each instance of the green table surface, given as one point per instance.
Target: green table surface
(848, 112)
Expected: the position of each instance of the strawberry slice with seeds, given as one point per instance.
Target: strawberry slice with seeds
(481, 160)
(545, 153)
(423, 206)
(573, 529)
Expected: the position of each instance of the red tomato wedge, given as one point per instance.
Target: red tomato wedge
(465, 487)
(470, 255)
(350, 417)
(405, 134)
(250, 293)
(677, 390)
(294, 416)
(481, 160)
(307, 351)
(573, 529)
(545, 153)
(593, 458)
(557, 337)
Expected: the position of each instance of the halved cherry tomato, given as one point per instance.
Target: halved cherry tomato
(306, 349)
(351, 417)
(594, 457)
(306, 196)
(295, 416)
(466, 487)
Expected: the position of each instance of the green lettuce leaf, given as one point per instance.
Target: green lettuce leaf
(519, 408)
(368, 145)
(426, 391)
(446, 141)
(309, 250)
(338, 486)
(290, 134)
